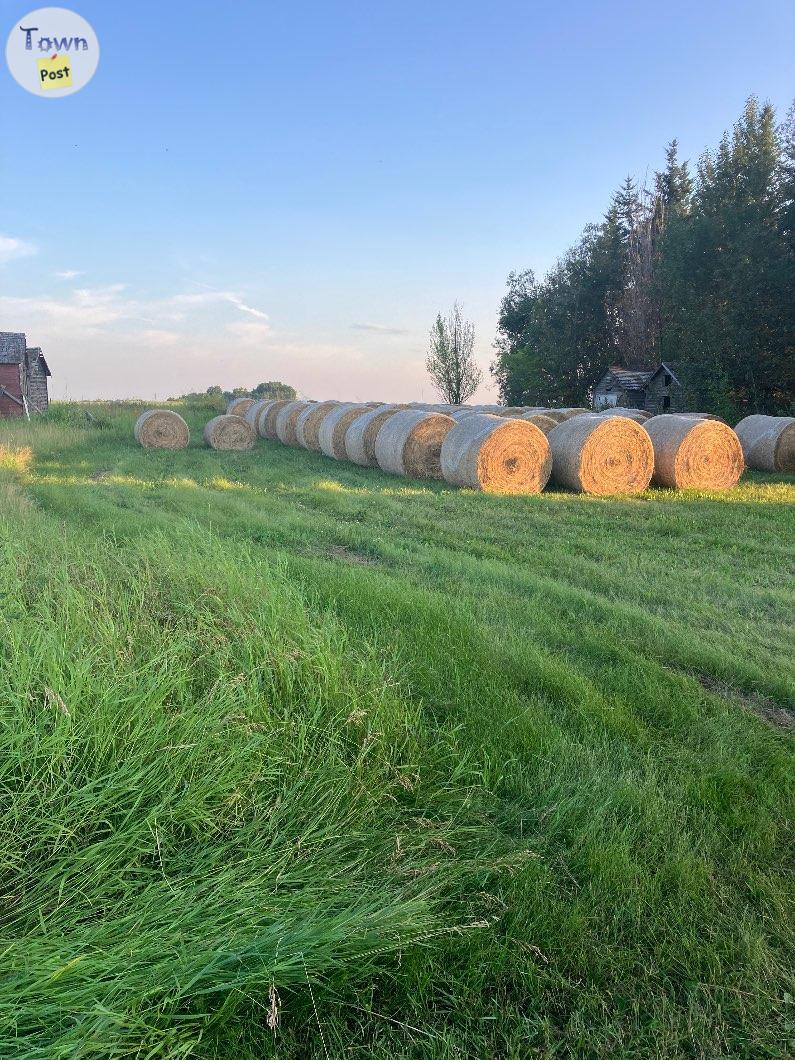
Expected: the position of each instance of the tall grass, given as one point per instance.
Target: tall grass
(417, 772)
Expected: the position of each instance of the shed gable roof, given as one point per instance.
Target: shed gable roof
(667, 367)
(35, 354)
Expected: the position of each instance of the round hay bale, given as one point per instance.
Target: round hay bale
(308, 425)
(287, 421)
(362, 433)
(239, 406)
(229, 432)
(461, 414)
(161, 429)
(512, 411)
(554, 414)
(253, 414)
(601, 455)
(701, 416)
(267, 422)
(541, 420)
(496, 454)
(410, 443)
(638, 415)
(692, 453)
(335, 427)
(768, 442)
(567, 414)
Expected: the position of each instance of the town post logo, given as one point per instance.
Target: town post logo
(52, 52)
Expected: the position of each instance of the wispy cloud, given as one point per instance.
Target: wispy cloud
(211, 297)
(11, 247)
(68, 274)
(379, 329)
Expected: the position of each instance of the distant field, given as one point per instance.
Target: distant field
(421, 772)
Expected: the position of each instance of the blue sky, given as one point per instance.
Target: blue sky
(249, 192)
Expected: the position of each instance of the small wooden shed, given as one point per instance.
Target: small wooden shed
(655, 390)
(23, 376)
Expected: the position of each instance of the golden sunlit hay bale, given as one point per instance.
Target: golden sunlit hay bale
(287, 421)
(638, 415)
(239, 406)
(267, 422)
(161, 429)
(496, 454)
(410, 443)
(362, 433)
(693, 453)
(601, 455)
(308, 425)
(229, 432)
(768, 442)
(253, 414)
(335, 428)
(541, 420)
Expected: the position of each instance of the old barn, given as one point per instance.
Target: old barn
(655, 390)
(23, 376)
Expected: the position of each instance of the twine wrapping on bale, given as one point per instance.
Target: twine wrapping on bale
(497, 455)
(239, 406)
(768, 442)
(541, 420)
(410, 443)
(638, 415)
(287, 421)
(335, 427)
(601, 455)
(161, 429)
(267, 423)
(229, 432)
(362, 433)
(308, 425)
(692, 453)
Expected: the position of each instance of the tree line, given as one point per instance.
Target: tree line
(698, 270)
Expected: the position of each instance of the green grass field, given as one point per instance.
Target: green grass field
(416, 772)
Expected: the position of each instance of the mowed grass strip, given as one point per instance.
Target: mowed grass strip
(455, 775)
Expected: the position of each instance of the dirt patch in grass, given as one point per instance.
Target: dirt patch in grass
(767, 710)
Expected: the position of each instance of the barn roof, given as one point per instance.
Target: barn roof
(628, 378)
(12, 347)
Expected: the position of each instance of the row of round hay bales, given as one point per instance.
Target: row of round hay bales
(768, 442)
